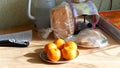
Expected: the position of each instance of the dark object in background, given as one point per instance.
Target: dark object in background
(110, 29)
(84, 21)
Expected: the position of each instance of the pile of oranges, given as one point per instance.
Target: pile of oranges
(60, 49)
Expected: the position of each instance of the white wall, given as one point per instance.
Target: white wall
(13, 13)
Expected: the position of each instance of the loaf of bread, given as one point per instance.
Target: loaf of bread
(62, 20)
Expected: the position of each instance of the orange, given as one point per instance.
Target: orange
(59, 43)
(69, 50)
(71, 45)
(54, 54)
(49, 46)
(61, 49)
(69, 53)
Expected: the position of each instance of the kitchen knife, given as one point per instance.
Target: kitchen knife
(19, 39)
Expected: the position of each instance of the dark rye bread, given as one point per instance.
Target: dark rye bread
(62, 20)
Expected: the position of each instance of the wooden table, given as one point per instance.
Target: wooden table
(28, 57)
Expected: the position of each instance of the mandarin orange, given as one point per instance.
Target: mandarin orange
(59, 43)
(71, 45)
(54, 54)
(49, 46)
(69, 53)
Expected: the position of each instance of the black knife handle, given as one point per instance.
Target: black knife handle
(14, 43)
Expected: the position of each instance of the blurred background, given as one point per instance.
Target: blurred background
(14, 12)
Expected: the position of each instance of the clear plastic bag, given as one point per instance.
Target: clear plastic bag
(90, 38)
(44, 33)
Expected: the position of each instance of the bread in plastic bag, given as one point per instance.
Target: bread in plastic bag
(90, 38)
(62, 20)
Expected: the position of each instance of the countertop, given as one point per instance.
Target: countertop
(29, 57)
